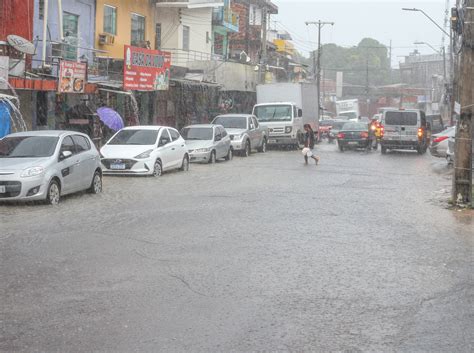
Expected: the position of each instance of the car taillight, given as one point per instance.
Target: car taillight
(439, 139)
(364, 134)
(420, 132)
(341, 135)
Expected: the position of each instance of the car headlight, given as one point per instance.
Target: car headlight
(288, 129)
(31, 172)
(200, 150)
(144, 155)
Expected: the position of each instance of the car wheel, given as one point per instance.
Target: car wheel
(383, 149)
(263, 148)
(157, 169)
(247, 149)
(54, 193)
(96, 185)
(300, 144)
(230, 155)
(212, 159)
(185, 164)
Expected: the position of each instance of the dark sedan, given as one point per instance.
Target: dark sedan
(353, 135)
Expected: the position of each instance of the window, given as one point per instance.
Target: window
(67, 145)
(186, 38)
(71, 31)
(174, 134)
(82, 144)
(158, 36)
(251, 126)
(138, 30)
(255, 121)
(401, 118)
(41, 9)
(165, 138)
(110, 19)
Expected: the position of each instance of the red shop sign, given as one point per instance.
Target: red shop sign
(145, 69)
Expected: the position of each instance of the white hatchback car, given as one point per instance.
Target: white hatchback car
(144, 150)
(45, 165)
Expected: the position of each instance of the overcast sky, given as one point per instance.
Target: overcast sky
(354, 20)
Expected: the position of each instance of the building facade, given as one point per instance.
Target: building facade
(124, 22)
(78, 28)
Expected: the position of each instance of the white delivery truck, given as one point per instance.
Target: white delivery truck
(284, 108)
(348, 109)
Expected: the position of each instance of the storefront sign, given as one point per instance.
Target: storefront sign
(145, 69)
(72, 77)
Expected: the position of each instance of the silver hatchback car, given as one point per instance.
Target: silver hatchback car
(44, 165)
(207, 143)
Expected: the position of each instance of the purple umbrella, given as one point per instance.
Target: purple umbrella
(110, 118)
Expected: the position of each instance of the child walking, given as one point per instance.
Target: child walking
(309, 145)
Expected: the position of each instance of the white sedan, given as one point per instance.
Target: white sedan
(144, 150)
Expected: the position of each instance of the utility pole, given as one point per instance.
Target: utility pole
(263, 59)
(462, 183)
(320, 25)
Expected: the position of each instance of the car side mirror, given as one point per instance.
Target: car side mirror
(218, 138)
(65, 155)
(300, 113)
(162, 143)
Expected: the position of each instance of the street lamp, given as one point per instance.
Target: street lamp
(444, 51)
(424, 13)
(428, 44)
(440, 52)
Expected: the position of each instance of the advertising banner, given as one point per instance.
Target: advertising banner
(145, 69)
(72, 77)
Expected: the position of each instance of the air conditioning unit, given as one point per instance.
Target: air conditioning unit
(106, 39)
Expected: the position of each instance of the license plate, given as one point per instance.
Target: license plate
(353, 143)
(272, 141)
(117, 166)
(3, 189)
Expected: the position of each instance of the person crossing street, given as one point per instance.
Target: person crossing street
(309, 145)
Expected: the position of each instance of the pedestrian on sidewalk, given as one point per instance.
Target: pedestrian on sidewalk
(309, 145)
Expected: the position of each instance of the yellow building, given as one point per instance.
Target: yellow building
(124, 22)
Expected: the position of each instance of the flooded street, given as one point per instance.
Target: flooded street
(257, 254)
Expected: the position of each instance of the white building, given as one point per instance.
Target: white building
(185, 29)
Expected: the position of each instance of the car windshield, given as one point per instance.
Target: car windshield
(266, 113)
(337, 125)
(197, 133)
(28, 146)
(135, 137)
(348, 115)
(401, 118)
(326, 122)
(355, 127)
(232, 122)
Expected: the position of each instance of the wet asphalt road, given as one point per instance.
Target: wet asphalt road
(257, 254)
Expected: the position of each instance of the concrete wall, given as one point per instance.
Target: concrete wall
(86, 11)
(200, 32)
(231, 76)
(124, 24)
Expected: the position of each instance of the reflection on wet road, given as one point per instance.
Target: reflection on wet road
(258, 254)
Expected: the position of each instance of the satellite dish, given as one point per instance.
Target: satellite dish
(21, 44)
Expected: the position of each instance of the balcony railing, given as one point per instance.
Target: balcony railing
(180, 57)
(188, 3)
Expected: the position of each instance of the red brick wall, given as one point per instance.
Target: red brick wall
(16, 17)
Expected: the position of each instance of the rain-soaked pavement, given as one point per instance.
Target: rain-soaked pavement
(258, 254)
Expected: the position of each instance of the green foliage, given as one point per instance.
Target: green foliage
(353, 62)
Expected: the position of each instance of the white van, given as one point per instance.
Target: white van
(405, 130)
